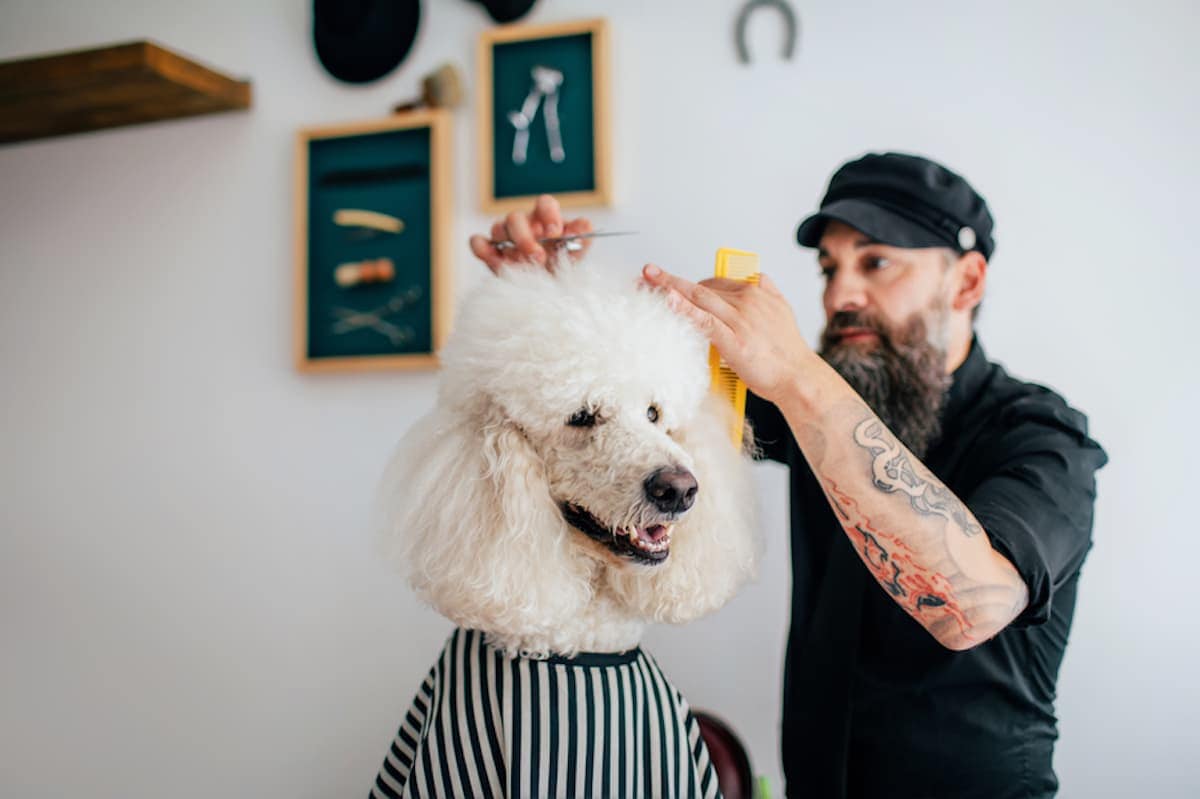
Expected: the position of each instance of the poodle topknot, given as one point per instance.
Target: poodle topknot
(576, 479)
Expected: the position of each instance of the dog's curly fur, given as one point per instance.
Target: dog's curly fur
(473, 501)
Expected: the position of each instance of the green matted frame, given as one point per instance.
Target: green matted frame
(399, 166)
(580, 50)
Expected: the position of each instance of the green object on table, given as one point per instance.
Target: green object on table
(762, 788)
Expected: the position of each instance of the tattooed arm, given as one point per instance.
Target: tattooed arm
(917, 538)
(913, 534)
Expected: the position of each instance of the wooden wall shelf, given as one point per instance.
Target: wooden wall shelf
(108, 87)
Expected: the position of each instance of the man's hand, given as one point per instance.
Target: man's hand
(524, 230)
(751, 325)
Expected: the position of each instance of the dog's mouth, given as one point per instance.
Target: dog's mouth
(650, 544)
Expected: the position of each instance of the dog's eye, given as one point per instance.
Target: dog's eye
(652, 413)
(582, 418)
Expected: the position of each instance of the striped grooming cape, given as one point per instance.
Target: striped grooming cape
(597, 725)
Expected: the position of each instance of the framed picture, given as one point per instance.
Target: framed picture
(373, 212)
(544, 115)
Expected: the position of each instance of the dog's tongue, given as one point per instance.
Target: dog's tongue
(654, 533)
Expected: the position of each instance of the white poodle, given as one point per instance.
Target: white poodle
(576, 481)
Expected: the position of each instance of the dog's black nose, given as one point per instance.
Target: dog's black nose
(671, 490)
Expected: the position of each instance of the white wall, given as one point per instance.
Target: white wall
(189, 601)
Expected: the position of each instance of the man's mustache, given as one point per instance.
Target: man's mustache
(851, 320)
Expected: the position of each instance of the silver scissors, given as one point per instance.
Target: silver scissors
(571, 243)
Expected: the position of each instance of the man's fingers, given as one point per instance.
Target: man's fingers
(547, 212)
(713, 328)
(726, 285)
(485, 251)
(494, 257)
(767, 283)
(702, 297)
(573, 228)
(525, 230)
(577, 226)
(521, 233)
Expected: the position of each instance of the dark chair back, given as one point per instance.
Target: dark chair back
(730, 760)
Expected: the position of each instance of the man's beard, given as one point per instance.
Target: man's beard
(901, 376)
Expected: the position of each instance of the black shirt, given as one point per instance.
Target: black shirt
(873, 705)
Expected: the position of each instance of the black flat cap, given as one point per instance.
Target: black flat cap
(505, 11)
(359, 41)
(905, 201)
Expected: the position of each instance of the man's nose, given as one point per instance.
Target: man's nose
(845, 291)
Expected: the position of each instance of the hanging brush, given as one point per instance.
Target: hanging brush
(442, 88)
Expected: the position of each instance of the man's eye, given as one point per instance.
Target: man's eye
(582, 418)
(827, 272)
(878, 263)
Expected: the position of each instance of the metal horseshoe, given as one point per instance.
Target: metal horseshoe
(789, 19)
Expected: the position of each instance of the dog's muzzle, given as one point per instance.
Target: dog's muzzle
(650, 544)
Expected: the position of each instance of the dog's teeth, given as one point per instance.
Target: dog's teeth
(647, 545)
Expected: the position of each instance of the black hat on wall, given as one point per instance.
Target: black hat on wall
(363, 40)
(507, 10)
(906, 201)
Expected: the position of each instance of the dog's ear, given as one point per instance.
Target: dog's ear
(715, 548)
(466, 512)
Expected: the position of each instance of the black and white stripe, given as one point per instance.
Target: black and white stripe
(598, 725)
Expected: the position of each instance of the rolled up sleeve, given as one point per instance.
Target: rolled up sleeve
(1036, 507)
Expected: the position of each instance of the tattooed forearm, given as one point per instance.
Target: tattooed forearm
(919, 541)
(927, 554)
(916, 590)
(893, 586)
(874, 554)
(878, 559)
(892, 471)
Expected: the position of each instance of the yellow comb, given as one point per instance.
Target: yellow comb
(734, 265)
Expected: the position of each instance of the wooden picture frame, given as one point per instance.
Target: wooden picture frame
(350, 314)
(581, 173)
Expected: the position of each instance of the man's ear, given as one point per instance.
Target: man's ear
(972, 280)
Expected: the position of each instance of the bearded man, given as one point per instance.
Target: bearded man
(965, 493)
